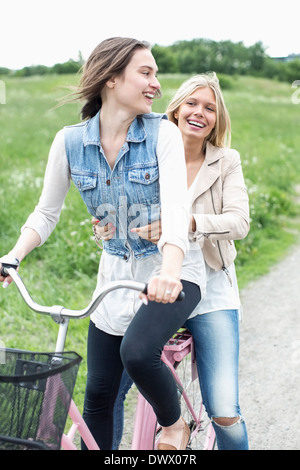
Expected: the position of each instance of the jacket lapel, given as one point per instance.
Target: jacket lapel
(209, 171)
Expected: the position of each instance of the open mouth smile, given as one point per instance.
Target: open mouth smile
(150, 96)
(196, 124)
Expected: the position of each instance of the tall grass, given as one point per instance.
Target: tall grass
(265, 126)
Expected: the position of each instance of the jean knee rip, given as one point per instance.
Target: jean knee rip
(239, 420)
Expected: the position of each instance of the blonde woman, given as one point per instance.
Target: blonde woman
(219, 215)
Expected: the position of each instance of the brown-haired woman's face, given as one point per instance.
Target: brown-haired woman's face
(197, 115)
(136, 87)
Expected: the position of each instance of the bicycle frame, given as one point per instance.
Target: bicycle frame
(79, 425)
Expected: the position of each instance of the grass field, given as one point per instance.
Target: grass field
(265, 126)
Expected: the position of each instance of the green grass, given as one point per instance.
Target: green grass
(265, 126)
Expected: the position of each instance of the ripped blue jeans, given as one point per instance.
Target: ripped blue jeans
(216, 338)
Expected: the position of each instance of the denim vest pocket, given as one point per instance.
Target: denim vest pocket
(85, 182)
(145, 184)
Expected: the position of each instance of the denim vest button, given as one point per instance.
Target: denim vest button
(125, 257)
(108, 182)
(147, 176)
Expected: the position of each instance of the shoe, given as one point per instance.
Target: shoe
(184, 441)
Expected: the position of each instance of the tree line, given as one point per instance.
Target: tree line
(226, 57)
(196, 56)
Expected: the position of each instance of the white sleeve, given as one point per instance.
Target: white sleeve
(173, 187)
(56, 186)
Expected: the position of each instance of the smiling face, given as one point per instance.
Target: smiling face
(197, 115)
(136, 88)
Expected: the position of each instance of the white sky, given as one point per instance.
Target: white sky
(50, 31)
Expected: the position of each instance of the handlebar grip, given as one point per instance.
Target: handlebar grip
(14, 263)
(180, 297)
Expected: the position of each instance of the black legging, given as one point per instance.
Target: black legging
(140, 350)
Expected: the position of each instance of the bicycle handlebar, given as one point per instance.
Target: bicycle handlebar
(58, 312)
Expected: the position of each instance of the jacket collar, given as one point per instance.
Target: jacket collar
(213, 153)
(208, 173)
(91, 134)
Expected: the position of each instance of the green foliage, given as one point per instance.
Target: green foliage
(4, 71)
(69, 67)
(226, 57)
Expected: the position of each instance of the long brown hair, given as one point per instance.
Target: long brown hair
(108, 59)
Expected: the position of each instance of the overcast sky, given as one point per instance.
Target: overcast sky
(49, 31)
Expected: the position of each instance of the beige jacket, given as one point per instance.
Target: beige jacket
(220, 206)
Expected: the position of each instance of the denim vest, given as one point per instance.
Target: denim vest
(128, 195)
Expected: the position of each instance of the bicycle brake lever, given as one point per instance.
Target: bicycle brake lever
(7, 262)
(180, 297)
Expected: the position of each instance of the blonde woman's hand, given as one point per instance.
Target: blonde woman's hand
(151, 232)
(105, 232)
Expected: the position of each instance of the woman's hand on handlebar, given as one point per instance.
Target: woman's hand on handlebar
(162, 289)
(6, 280)
(7, 260)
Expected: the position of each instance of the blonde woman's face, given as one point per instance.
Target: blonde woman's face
(197, 115)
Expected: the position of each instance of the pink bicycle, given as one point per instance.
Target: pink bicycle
(36, 388)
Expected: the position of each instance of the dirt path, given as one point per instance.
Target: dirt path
(270, 357)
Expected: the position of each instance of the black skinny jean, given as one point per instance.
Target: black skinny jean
(140, 352)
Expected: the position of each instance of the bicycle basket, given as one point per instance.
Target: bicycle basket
(35, 395)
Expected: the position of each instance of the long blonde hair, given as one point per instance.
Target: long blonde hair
(221, 134)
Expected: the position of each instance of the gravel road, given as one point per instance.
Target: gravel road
(270, 357)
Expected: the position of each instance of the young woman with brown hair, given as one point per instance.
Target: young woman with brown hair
(128, 165)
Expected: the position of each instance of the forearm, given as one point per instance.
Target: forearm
(29, 239)
(167, 286)
(172, 261)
